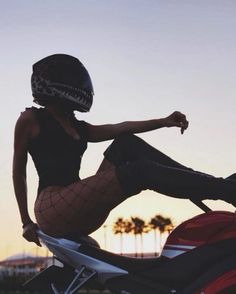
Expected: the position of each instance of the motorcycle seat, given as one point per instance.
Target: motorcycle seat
(131, 264)
(88, 246)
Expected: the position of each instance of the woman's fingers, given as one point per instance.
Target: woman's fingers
(179, 120)
(183, 126)
(30, 233)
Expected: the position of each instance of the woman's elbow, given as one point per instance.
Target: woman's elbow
(18, 174)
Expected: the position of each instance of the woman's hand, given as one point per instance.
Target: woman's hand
(30, 233)
(177, 119)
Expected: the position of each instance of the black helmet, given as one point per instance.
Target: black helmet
(62, 76)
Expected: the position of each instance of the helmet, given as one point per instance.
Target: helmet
(62, 78)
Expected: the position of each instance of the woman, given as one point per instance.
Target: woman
(56, 140)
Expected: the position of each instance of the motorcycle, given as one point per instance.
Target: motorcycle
(199, 257)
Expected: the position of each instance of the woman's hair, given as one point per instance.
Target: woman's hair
(62, 78)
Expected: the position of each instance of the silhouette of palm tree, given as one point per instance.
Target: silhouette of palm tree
(164, 225)
(139, 227)
(154, 225)
(161, 224)
(119, 227)
(169, 226)
(128, 226)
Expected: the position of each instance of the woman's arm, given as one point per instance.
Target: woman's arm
(21, 139)
(110, 131)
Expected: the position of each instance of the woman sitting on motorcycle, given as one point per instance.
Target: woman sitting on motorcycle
(56, 141)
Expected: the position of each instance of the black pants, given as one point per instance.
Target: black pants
(140, 166)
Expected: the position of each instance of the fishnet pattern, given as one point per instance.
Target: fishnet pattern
(80, 207)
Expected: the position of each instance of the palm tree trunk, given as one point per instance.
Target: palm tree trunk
(161, 239)
(136, 245)
(155, 242)
(141, 239)
(121, 244)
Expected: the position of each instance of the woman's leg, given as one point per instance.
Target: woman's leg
(140, 175)
(140, 166)
(129, 148)
(81, 207)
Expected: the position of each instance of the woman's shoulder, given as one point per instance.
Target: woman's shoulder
(29, 115)
(29, 121)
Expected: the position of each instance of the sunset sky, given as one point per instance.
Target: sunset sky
(146, 59)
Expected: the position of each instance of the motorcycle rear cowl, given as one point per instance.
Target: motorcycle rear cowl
(202, 229)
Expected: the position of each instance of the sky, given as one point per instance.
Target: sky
(146, 59)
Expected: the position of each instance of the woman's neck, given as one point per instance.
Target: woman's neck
(59, 111)
(65, 118)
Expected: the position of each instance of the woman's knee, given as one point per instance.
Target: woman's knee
(124, 140)
(133, 176)
(122, 149)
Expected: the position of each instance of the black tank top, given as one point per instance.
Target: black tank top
(56, 154)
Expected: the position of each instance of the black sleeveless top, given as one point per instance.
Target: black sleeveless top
(56, 154)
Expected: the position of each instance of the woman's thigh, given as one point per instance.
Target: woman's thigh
(80, 207)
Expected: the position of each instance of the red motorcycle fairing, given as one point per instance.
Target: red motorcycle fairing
(202, 229)
(226, 282)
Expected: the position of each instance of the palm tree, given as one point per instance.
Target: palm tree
(161, 224)
(128, 226)
(169, 225)
(139, 227)
(165, 225)
(154, 225)
(119, 227)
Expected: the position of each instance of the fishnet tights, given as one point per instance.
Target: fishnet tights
(80, 207)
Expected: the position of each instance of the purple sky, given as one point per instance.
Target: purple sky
(146, 59)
